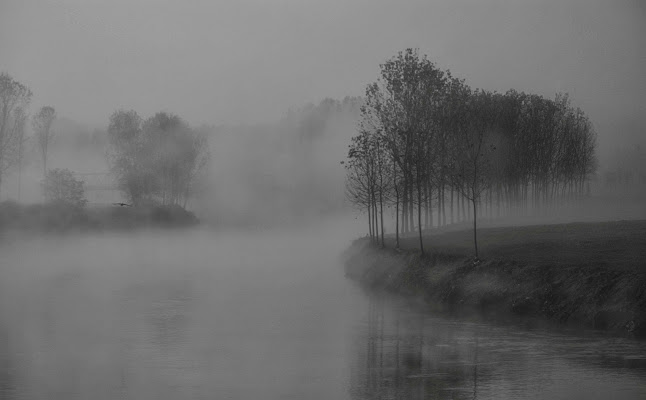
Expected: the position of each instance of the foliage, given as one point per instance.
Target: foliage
(60, 186)
(427, 133)
(157, 159)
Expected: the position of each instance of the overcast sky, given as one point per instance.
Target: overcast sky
(215, 61)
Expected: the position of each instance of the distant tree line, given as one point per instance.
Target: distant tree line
(427, 141)
(624, 173)
(311, 121)
(15, 98)
(155, 160)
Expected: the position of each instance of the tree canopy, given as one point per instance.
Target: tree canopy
(426, 138)
(156, 159)
(60, 186)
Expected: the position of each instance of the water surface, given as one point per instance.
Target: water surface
(263, 314)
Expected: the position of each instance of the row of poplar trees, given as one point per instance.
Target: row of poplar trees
(426, 138)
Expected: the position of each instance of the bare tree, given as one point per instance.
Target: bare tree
(21, 139)
(42, 125)
(14, 99)
(401, 107)
(425, 132)
(472, 170)
(361, 179)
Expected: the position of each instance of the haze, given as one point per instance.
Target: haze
(253, 302)
(249, 61)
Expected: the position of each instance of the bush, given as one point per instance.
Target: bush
(60, 186)
(60, 216)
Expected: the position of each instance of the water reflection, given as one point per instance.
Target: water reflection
(226, 317)
(403, 353)
(403, 359)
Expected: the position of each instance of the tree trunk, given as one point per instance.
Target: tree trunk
(443, 205)
(426, 206)
(457, 208)
(430, 203)
(498, 201)
(405, 208)
(381, 213)
(468, 213)
(411, 209)
(419, 219)
(374, 213)
(464, 211)
(396, 218)
(475, 237)
(396, 205)
(451, 206)
(370, 220)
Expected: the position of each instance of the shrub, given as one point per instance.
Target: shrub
(60, 186)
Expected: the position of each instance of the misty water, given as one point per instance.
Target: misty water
(265, 314)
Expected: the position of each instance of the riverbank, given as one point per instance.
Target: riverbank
(586, 274)
(64, 218)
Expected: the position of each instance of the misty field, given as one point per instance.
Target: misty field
(588, 275)
(616, 244)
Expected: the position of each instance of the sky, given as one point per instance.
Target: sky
(221, 61)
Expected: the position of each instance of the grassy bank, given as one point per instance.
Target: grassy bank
(589, 274)
(65, 218)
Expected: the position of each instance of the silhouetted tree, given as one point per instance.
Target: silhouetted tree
(435, 135)
(42, 125)
(473, 163)
(362, 179)
(400, 110)
(20, 119)
(14, 99)
(127, 164)
(60, 186)
(157, 159)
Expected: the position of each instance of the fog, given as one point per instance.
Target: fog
(264, 313)
(176, 315)
(273, 173)
(253, 302)
(240, 66)
(248, 62)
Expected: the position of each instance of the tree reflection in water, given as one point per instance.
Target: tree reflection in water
(405, 357)
(404, 352)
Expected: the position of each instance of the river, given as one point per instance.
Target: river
(264, 314)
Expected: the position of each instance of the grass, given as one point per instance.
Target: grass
(591, 273)
(616, 245)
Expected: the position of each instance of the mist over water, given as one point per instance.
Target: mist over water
(267, 313)
(265, 99)
(175, 315)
